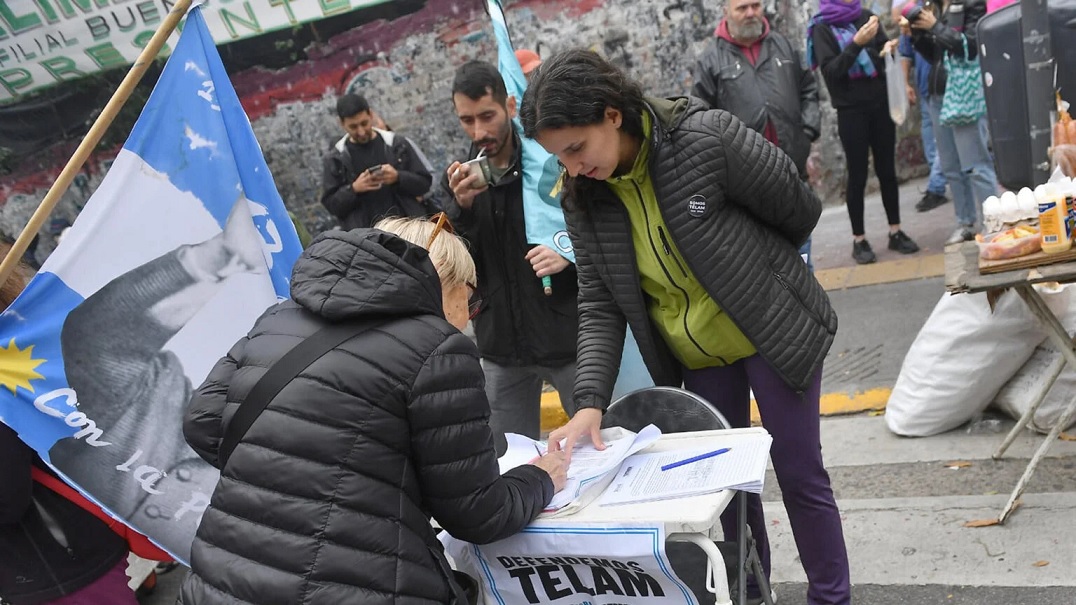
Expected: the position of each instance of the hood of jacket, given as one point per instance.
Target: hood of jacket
(349, 274)
(387, 136)
(669, 113)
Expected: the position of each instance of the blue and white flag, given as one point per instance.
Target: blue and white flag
(184, 244)
(542, 213)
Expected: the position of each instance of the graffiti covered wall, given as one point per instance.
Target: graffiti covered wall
(405, 66)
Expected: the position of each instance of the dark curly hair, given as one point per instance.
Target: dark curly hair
(574, 88)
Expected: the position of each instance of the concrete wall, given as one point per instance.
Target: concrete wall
(405, 68)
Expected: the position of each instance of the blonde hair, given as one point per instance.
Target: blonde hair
(448, 252)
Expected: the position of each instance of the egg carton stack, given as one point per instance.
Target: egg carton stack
(1012, 222)
(1011, 210)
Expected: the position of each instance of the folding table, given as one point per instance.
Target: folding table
(962, 275)
(694, 519)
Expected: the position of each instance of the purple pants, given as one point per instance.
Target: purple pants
(110, 589)
(793, 421)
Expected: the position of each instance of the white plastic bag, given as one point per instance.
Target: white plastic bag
(1019, 393)
(961, 358)
(896, 87)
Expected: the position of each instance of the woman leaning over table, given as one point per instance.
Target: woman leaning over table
(686, 226)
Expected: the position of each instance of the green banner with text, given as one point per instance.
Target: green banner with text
(45, 42)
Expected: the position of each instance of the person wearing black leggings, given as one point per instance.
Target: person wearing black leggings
(847, 43)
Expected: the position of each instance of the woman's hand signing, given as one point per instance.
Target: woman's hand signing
(586, 422)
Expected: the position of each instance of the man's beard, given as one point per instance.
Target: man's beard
(752, 30)
(495, 145)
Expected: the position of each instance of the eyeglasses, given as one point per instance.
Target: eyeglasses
(474, 301)
(441, 223)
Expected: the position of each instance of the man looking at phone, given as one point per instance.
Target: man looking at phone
(370, 174)
(524, 335)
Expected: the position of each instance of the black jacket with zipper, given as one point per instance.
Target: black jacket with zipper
(737, 211)
(327, 498)
(778, 89)
(518, 325)
(338, 174)
(945, 37)
(49, 546)
(844, 91)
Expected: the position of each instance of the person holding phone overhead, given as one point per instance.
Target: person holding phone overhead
(686, 225)
(371, 173)
(846, 42)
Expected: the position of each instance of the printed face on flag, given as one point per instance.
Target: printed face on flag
(185, 243)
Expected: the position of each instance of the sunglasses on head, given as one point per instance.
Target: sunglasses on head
(441, 223)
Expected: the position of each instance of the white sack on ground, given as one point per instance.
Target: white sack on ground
(961, 358)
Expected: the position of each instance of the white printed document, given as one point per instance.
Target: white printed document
(737, 463)
(590, 470)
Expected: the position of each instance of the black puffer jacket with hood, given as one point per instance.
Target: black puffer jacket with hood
(328, 497)
(737, 211)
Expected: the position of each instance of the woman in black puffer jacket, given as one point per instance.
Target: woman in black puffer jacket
(686, 226)
(329, 495)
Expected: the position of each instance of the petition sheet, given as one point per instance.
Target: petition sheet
(588, 465)
(640, 478)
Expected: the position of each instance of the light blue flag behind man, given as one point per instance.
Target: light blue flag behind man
(184, 244)
(542, 214)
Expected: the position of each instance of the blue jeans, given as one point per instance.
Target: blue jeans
(966, 164)
(937, 181)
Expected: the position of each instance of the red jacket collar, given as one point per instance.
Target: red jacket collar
(722, 31)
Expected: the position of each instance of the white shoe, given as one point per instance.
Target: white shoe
(962, 234)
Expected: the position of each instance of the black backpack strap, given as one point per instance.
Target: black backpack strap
(283, 371)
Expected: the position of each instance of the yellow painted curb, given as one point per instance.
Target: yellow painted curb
(830, 404)
(886, 272)
(553, 415)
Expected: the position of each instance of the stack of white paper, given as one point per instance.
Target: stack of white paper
(741, 467)
(590, 469)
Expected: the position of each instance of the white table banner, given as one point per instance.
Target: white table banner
(574, 565)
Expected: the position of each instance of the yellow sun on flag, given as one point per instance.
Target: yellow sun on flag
(17, 367)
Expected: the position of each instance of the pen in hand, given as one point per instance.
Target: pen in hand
(673, 465)
(538, 457)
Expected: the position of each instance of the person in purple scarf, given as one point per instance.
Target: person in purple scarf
(846, 42)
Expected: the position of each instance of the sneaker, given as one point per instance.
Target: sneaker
(930, 201)
(861, 251)
(964, 233)
(900, 242)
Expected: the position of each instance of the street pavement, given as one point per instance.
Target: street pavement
(903, 506)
